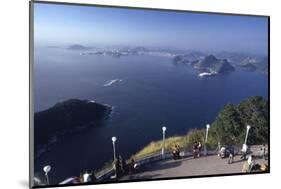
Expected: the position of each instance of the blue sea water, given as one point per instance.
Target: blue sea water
(153, 93)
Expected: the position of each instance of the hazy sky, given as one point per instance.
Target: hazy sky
(67, 24)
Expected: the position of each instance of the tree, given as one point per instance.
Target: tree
(230, 124)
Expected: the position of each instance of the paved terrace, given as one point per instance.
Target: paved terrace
(154, 167)
(204, 165)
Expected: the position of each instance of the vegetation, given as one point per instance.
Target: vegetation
(185, 142)
(228, 128)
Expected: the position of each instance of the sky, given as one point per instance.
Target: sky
(57, 24)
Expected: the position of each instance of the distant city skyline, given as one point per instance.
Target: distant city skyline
(58, 24)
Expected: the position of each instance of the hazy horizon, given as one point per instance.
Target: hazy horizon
(57, 24)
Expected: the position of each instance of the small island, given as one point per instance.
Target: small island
(78, 47)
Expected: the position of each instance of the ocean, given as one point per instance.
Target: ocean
(153, 93)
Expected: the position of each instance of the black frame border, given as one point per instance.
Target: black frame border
(31, 53)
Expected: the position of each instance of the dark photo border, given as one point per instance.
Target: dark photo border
(31, 91)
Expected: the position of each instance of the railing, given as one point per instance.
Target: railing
(108, 173)
(150, 159)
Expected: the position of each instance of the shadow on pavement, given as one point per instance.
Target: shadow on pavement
(163, 165)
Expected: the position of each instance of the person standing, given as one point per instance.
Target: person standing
(122, 164)
(199, 148)
(231, 155)
(263, 151)
(116, 167)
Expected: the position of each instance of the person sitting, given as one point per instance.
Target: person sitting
(195, 150)
(132, 166)
(222, 152)
(176, 152)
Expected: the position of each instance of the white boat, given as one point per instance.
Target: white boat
(112, 82)
(206, 74)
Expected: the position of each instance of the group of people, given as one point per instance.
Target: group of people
(245, 151)
(227, 152)
(197, 147)
(121, 167)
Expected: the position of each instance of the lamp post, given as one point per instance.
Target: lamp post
(163, 145)
(244, 148)
(206, 139)
(113, 143)
(247, 132)
(47, 169)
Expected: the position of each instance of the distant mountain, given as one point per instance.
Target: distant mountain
(260, 63)
(235, 58)
(250, 60)
(67, 116)
(78, 47)
(180, 59)
(248, 67)
(188, 57)
(212, 64)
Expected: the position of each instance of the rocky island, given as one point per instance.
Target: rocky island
(213, 65)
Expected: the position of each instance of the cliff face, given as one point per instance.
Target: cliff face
(66, 116)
